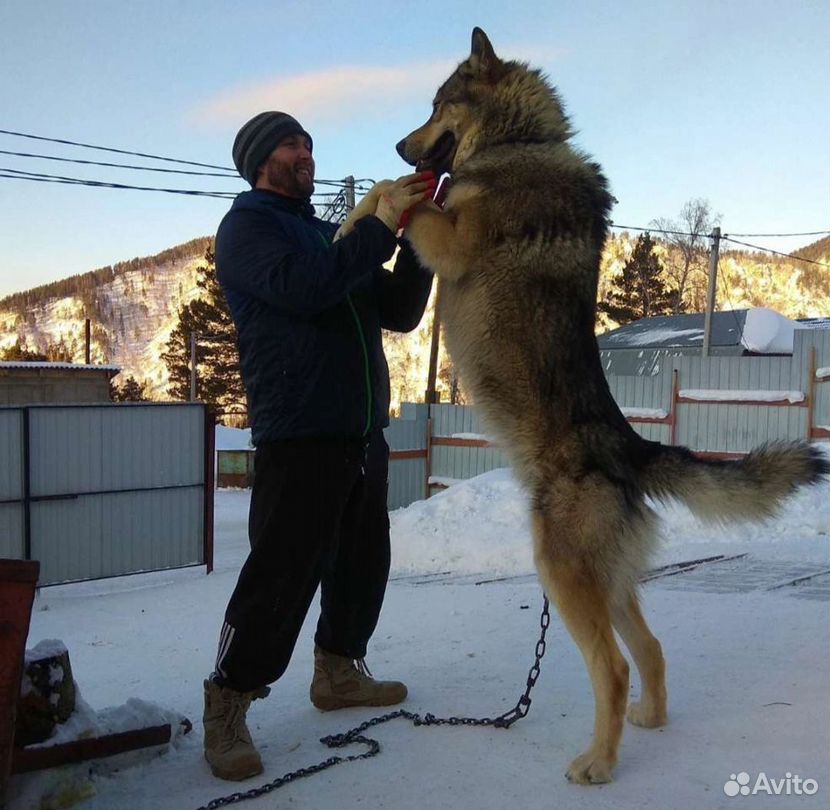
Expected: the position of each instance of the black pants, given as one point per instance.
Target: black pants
(318, 517)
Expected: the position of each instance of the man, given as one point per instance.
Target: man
(309, 313)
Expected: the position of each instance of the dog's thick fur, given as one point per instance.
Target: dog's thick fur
(517, 251)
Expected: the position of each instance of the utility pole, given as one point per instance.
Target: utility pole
(193, 366)
(348, 192)
(711, 289)
(429, 396)
(87, 342)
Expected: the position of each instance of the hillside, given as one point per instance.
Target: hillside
(133, 307)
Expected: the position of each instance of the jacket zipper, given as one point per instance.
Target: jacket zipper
(365, 365)
(362, 336)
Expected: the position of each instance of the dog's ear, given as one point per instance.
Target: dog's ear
(483, 58)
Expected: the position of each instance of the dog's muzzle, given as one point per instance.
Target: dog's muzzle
(438, 159)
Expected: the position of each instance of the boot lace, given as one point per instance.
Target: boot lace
(361, 666)
(236, 709)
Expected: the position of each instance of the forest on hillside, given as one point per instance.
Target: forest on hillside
(83, 285)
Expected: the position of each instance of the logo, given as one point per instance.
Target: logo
(741, 784)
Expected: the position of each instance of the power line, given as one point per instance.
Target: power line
(805, 233)
(776, 252)
(232, 171)
(686, 233)
(109, 149)
(19, 174)
(228, 174)
(656, 230)
(728, 238)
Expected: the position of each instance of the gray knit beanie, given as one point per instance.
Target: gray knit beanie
(259, 137)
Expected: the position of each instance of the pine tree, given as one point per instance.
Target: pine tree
(218, 379)
(639, 291)
(130, 391)
(20, 353)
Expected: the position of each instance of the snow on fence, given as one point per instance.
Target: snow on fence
(718, 406)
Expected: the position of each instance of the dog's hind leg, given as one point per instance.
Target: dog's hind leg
(628, 621)
(583, 604)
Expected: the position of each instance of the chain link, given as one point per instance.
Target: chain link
(355, 735)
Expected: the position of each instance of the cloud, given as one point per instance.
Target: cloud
(323, 96)
(340, 93)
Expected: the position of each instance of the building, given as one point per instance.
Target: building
(641, 347)
(29, 383)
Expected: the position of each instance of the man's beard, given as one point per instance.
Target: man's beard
(284, 177)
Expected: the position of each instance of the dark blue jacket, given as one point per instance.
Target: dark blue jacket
(309, 315)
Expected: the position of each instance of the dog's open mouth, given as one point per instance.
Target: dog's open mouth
(439, 158)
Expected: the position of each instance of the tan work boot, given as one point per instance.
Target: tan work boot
(341, 682)
(229, 749)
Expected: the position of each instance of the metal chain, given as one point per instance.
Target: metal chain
(355, 735)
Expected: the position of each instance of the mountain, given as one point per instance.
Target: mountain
(133, 307)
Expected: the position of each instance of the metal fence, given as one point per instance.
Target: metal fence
(717, 406)
(106, 489)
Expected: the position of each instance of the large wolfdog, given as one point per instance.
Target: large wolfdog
(517, 250)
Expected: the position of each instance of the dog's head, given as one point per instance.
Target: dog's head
(484, 102)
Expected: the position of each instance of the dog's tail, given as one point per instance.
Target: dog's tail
(751, 488)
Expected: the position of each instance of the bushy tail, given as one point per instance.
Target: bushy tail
(751, 488)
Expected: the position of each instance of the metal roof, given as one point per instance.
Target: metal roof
(20, 364)
(676, 331)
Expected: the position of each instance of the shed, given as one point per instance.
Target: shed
(29, 383)
(234, 457)
(638, 348)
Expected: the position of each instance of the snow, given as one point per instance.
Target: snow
(748, 673)
(656, 336)
(228, 438)
(474, 437)
(726, 395)
(644, 413)
(47, 648)
(822, 372)
(768, 332)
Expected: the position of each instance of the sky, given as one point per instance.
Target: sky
(725, 101)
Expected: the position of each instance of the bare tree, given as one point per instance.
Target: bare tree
(686, 263)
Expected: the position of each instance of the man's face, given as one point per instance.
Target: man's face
(289, 169)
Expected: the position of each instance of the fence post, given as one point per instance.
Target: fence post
(210, 487)
(428, 465)
(674, 397)
(811, 393)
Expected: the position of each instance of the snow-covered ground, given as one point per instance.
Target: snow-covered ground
(747, 672)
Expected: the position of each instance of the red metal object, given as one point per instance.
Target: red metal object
(50, 756)
(18, 580)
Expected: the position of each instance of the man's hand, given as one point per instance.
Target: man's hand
(401, 195)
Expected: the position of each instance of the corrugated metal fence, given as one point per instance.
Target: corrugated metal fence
(722, 406)
(101, 490)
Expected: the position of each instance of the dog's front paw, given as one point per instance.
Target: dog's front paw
(590, 768)
(646, 716)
